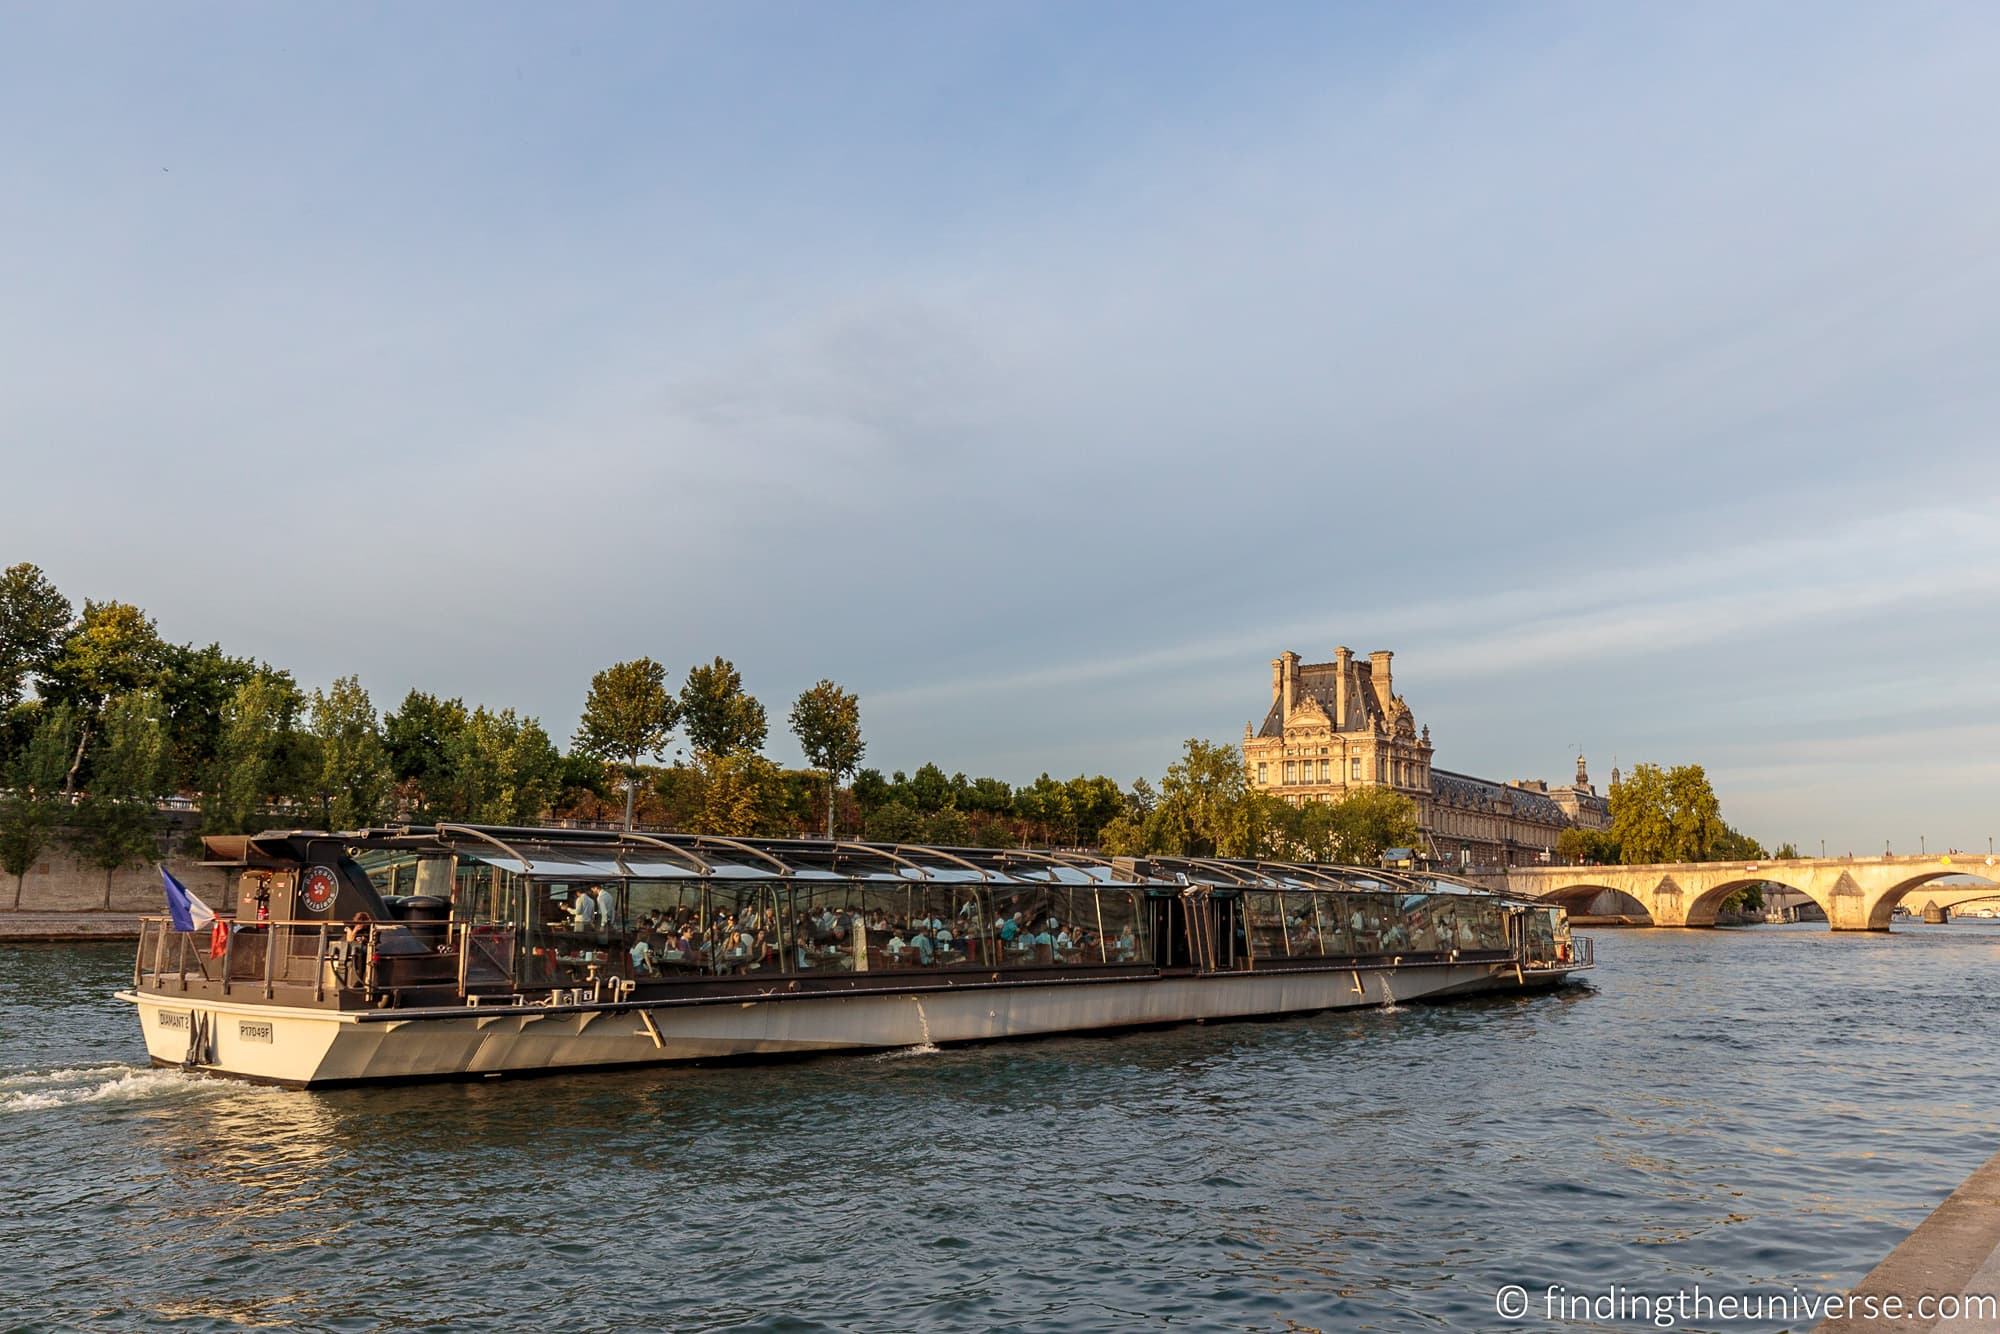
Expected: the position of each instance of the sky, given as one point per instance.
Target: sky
(1041, 372)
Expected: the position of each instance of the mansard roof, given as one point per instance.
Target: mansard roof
(1482, 794)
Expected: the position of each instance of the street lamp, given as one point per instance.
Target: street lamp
(1923, 848)
(1822, 849)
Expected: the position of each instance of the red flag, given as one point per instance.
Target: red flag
(218, 939)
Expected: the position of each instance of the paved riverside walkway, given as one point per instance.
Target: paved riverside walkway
(1955, 1253)
(24, 926)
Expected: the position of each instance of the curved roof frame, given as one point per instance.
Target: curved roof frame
(484, 837)
(871, 850)
(700, 864)
(952, 857)
(784, 868)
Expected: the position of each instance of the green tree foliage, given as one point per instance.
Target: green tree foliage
(1369, 822)
(352, 781)
(1122, 836)
(871, 790)
(929, 790)
(502, 769)
(33, 805)
(34, 621)
(116, 825)
(895, 822)
(1588, 847)
(827, 722)
(1666, 815)
(720, 718)
(1202, 810)
(1787, 851)
(742, 794)
(114, 650)
(419, 738)
(195, 686)
(257, 753)
(627, 716)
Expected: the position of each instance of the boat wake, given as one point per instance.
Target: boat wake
(39, 1090)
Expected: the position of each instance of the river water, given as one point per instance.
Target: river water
(1762, 1109)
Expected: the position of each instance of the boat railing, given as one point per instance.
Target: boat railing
(255, 958)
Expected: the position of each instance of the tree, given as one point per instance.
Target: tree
(34, 620)
(1372, 820)
(502, 769)
(352, 782)
(1201, 808)
(1045, 805)
(1672, 815)
(1642, 815)
(1588, 847)
(33, 805)
(1696, 818)
(1122, 836)
(257, 727)
(929, 790)
(827, 722)
(894, 822)
(116, 824)
(871, 790)
(418, 738)
(114, 650)
(196, 684)
(719, 717)
(1093, 803)
(741, 794)
(627, 716)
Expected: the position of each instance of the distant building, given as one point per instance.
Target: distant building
(1333, 727)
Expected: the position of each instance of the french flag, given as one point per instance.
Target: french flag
(188, 912)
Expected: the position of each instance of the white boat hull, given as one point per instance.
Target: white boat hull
(302, 1046)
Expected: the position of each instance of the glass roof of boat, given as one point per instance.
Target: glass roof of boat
(593, 854)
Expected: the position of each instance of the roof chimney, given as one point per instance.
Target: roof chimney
(1343, 663)
(1378, 672)
(1290, 663)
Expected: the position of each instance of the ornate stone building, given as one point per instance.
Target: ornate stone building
(1336, 726)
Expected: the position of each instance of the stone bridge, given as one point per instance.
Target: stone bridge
(1857, 893)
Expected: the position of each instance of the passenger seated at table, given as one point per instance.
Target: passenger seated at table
(1064, 944)
(895, 947)
(920, 942)
(642, 956)
(1009, 927)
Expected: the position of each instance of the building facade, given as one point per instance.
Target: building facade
(1334, 727)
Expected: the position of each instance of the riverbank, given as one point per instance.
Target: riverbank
(1953, 1258)
(25, 927)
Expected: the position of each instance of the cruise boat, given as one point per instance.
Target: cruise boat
(459, 951)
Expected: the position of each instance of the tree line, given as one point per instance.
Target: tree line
(101, 718)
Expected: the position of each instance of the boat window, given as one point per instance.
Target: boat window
(1125, 929)
(1264, 915)
(745, 934)
(829, 929)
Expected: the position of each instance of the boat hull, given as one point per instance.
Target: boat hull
(313, 1047)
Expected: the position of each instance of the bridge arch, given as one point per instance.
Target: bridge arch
(1581, 894)
(1702, 911)
(1883, 909)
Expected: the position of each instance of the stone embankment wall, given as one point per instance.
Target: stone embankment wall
(60, 882)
